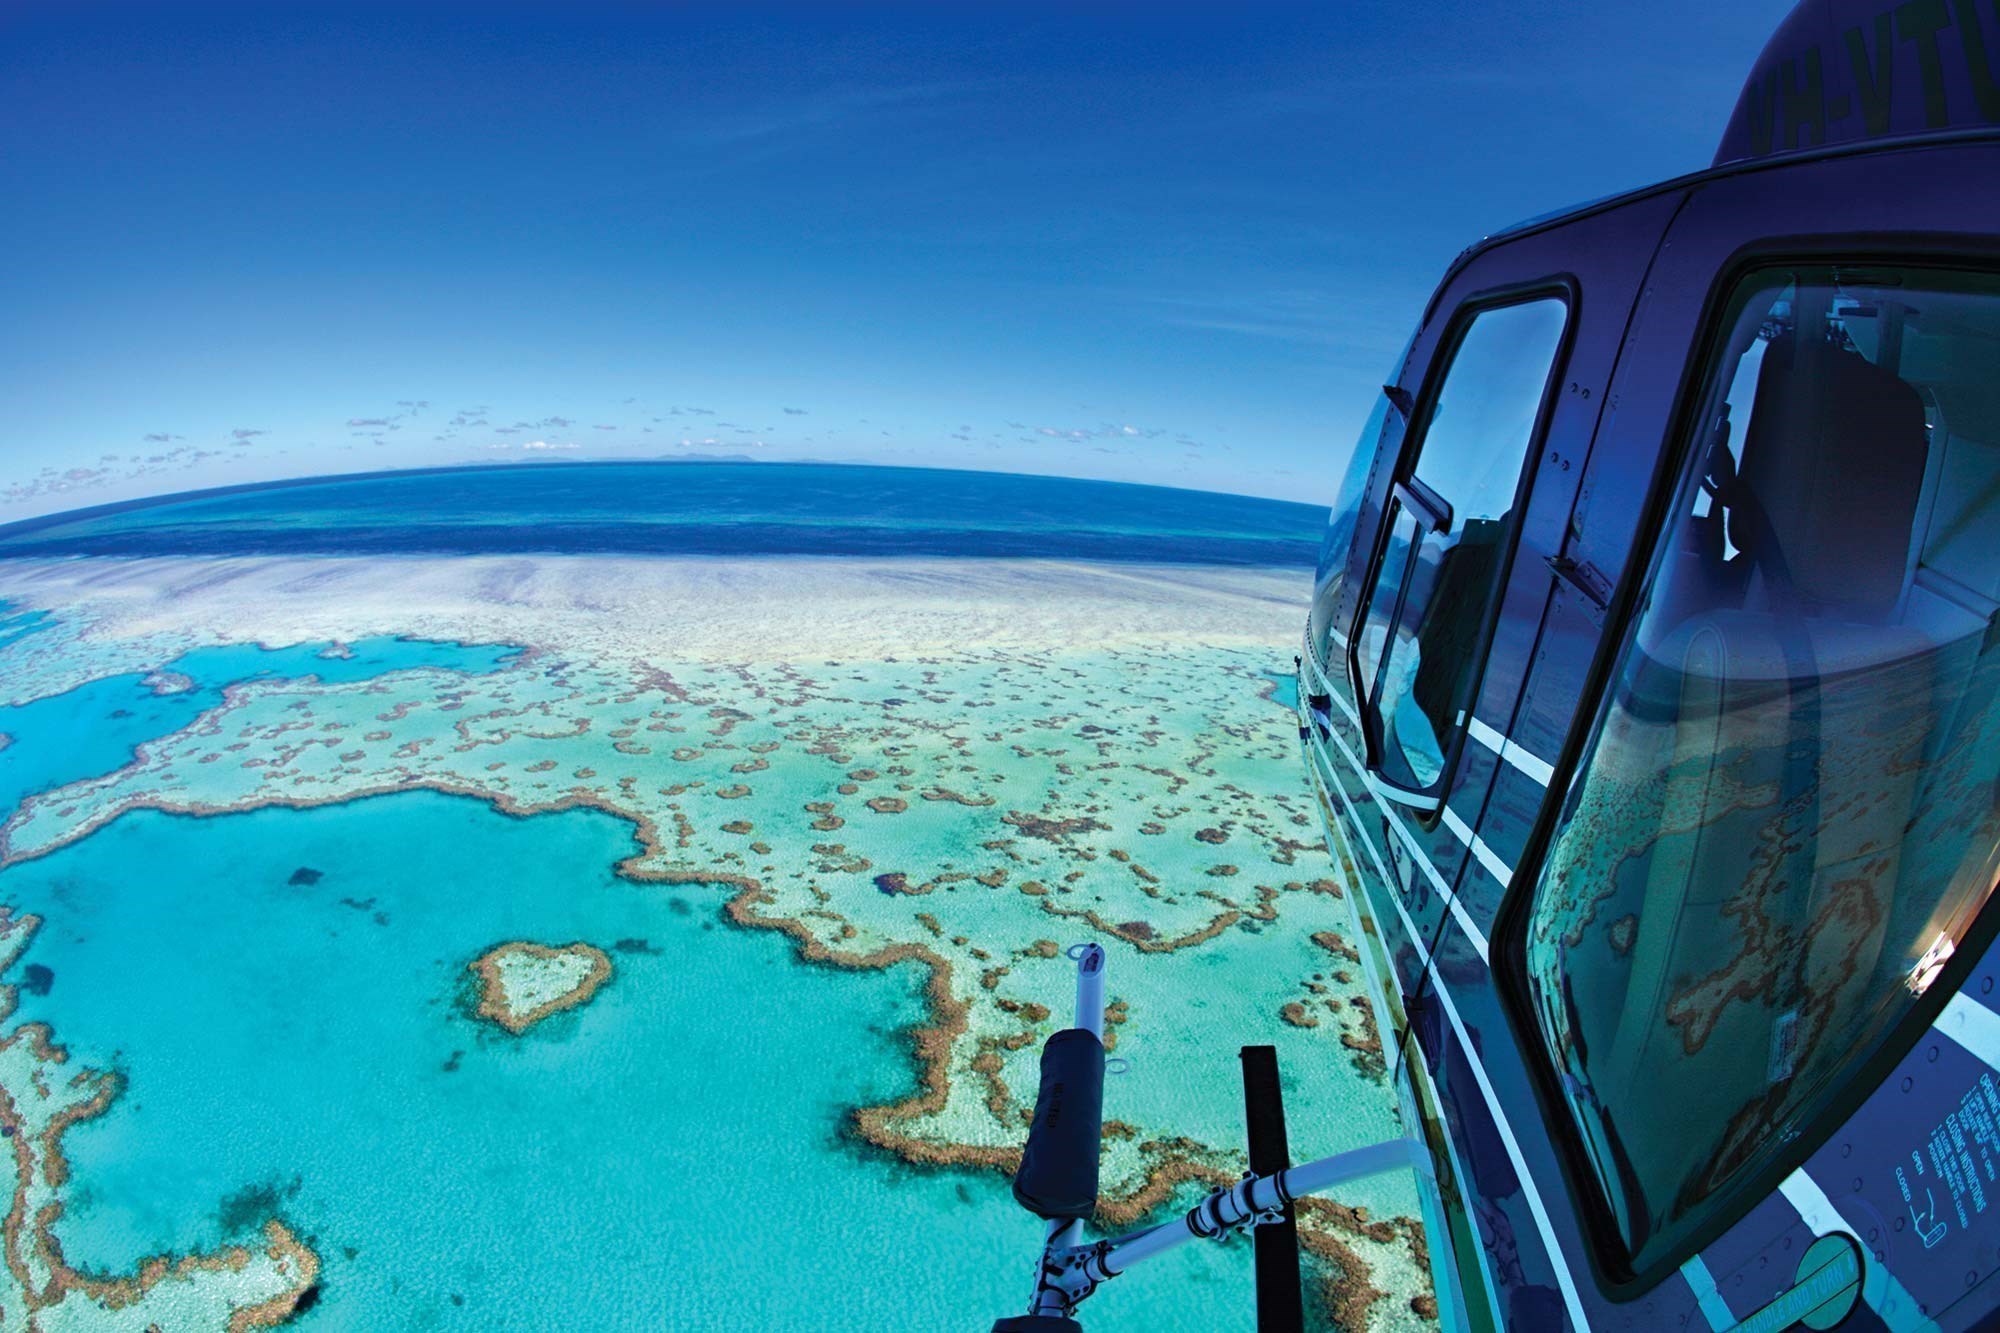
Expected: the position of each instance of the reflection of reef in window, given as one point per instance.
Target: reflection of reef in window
(1787, 818)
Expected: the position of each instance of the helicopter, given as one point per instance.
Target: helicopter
(1650, 690)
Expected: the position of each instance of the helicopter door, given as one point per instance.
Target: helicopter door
(1794, 707)
(1487, 618)
(1451, 522)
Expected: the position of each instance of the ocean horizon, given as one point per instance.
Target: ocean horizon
(672, 507)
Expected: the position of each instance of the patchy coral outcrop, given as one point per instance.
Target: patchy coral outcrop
(238, 1287)
(521, 983)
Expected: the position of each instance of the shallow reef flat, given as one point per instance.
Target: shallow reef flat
(521, 982)
(233, 1287)
(956, 767)
(628, 608)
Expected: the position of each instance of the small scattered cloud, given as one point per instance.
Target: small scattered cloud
(536, 446)
(1109, 430)
(795, 412)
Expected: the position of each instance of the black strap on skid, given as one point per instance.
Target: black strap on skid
(1280, 1303)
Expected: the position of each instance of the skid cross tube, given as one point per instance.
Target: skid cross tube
(1069, 1274)
(1069, 1270)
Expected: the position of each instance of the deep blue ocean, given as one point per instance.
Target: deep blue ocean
(694, 509)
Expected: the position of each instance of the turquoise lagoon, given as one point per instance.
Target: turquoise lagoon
(670, 1156)
(259, 906)
(95, 727)
(307, 1050)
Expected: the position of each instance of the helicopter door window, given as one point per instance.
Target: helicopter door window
(1424, 639)
(1375, 627)
(1325, 625)
(1785, 821)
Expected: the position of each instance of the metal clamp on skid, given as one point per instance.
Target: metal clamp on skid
(1229, 1211)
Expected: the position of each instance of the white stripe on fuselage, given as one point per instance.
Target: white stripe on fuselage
(1488, 859)
(1884, 1294)
(1713, 1307)
(1973, 1026)
(1473, 933)
(1422, 858)
(1537, 768)
(1571, 1300)
(1337, 827)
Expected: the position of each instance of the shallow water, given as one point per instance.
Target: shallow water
(96, 727)
(286, 994)
(307, 1050)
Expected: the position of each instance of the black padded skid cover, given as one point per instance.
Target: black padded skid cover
(1058, 1175)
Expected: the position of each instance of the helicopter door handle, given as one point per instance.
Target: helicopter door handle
(1583, 577)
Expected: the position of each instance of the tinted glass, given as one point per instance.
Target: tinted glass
(1787, 818)
(1382, 604)
(1339, 538)
(1472, 458)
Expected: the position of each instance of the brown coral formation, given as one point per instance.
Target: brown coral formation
(1051, 830)
(495, 1004)
(1168, 1165)
(40, 1154)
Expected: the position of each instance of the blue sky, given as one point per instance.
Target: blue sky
(1152, 242)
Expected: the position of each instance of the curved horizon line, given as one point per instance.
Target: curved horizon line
(38, 522)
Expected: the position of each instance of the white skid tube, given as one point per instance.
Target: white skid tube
(1089, 959)
(1089, 988)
